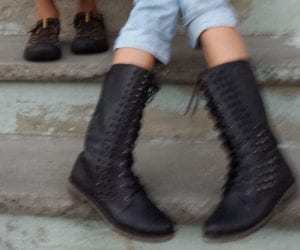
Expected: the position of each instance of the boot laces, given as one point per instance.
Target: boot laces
(236, 171)
(126, 131)
(144, 95)
(234, 166)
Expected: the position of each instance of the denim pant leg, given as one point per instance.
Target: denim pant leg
(151, 27)
(200, 15)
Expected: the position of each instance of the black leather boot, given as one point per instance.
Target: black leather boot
(259, 176)
(103, 172)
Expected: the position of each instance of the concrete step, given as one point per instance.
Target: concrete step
(32, 232)
(184, 177)
(64, 108)
(277, 61)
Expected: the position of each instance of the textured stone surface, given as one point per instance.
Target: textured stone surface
(18, 16)
(275, 60)
(41, 108)
(184, 177)
(28, 232)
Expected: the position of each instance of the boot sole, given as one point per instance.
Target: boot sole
(112, 223)
(289, 194)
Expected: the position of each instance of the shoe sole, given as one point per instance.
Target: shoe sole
(282, 202)
(35, 57)
(84, 52)
(113, 224)
(40, 60)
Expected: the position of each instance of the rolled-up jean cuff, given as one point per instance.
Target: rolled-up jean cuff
(146, 40)
(215, 18)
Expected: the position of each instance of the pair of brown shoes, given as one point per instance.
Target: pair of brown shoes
(90, 38)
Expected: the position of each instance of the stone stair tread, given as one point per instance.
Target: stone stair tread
(275, 60)
(184, 177)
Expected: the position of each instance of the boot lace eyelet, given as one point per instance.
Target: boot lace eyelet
(121, 129)
(127, 198)
(122, 164)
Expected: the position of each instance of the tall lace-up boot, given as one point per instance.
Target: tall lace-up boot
(103, 171)
(259, 177)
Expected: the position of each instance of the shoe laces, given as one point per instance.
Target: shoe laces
(140, 98)
(45, 31)
(89, 25)
(126, 127)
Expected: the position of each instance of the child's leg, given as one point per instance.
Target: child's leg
(259, 176)
(222, 45)
(46, 9)
(87, 6)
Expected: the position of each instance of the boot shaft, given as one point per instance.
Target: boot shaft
(115, 123)
(234, 99)
(237, 107)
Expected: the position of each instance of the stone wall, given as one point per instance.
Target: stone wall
(268, 17)
(16, 16)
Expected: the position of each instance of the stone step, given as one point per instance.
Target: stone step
(21, 232)
(43, 108)
(18, 16)
(277, 61)
(184, 177)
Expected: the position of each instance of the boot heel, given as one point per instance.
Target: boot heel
(75, 193)
(289, 194)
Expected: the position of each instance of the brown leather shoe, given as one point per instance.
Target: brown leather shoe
(43, 44)
(90, 35)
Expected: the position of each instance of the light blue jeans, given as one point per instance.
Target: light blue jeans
(152, 23)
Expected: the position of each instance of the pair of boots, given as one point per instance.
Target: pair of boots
(44, 44)
(258, 179)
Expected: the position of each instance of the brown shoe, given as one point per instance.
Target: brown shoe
(90, 35)
(43, 44)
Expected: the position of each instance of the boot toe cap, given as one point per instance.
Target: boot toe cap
(152, 228)
(147, 225)
(144, 218)
(231, 218)
(217, 229)
(227, 228)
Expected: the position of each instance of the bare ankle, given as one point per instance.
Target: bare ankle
(222, 45)
(46, 9)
